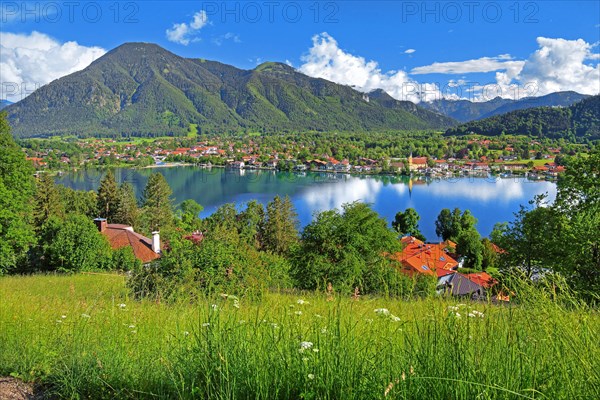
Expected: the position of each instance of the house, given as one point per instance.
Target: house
(475, 285)
(417, 163)
(424, 258)
(120, 236)
(236, 165)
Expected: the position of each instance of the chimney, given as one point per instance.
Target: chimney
(100, 224)
(156, 242)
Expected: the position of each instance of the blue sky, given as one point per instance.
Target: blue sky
(483, 38)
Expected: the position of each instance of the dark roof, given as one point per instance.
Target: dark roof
(463, 286)
(120, 236)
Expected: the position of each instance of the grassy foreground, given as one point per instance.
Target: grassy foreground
(84, 338)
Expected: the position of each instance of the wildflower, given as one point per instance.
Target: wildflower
(394, 318)
(471, 315)
(275, 326)
(315, 350)
(305, 346)
(382, 311)
(298, 313)
(457, 315)
(242, 321)
(186, 333)
(214, 307)
(412, 370)
(311, 376)
(206, 324)
(324, 331)
(452, 308)
(85, 316)
(477, 313)
(63, 316)
(131, 326)
(133, 331)
(388, 389)
(122, 305)
(236, 304)
(403, 376)
(59, 321)
(302, 302)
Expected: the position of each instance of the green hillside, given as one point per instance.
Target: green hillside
(141, 89)
(581, 121)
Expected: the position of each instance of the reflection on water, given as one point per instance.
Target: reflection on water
(490, 200)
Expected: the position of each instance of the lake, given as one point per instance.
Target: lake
(491, 200)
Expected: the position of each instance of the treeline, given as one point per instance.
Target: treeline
(577, 123)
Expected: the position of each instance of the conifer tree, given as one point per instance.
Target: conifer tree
(47, 201)
(281, 226)
(157, 204)
(108, 197)
(127, 211)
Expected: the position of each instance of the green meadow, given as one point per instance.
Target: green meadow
(83, 337)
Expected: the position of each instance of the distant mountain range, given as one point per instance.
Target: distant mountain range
(4, 103)
(580, 121)
(142, 89)
(465, 110)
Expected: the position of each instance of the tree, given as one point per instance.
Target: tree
(108, 197)
(128, 212)
(190, 215)
(450, 224)
(347, 249)
(407, 223)
(75, 245)
(79, 201)
(469, 246)
(47, 201)
(280, 231)
(17, 187)
(157, 205)
(252, 223)
(489, 255)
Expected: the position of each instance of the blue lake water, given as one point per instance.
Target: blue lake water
(491, 200)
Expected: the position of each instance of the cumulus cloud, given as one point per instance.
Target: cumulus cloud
(325, 59)
(30, 61)
(557, 65)
(185, 33)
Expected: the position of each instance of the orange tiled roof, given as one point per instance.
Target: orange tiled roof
(482, 279)
(120, 236)
(425, 258)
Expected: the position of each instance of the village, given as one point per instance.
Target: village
(540, 162)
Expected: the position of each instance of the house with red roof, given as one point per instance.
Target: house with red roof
(120, 236)
(418, 257)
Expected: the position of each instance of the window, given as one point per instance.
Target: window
(424, 268)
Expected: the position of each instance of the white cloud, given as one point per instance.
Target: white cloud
(483, 64)
(185, 33)
(557, 65)
(30, 61)
(409, 51)
(228, 36)
(560, 64)
(326, 60)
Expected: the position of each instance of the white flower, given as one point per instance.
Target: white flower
(214, 306)
(298, 313)
(59, 321)
(382, 311)
(324, 330)
(457, 315)
(131, 326)
(315, 350)
(206, 324)
(302, 301)
(306, 345)
(133, 331)
(453, 308)
(477, 313)
(275, 326)
(311, 376)
(242, 321)
(186, 333)
(122, 305)
(236, 304)
(471, 315)
(394, 318)
(85, 316)
(63, 316)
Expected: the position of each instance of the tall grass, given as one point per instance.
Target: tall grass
(83, 337)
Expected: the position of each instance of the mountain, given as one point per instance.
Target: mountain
(4, 103)
(465, 110)
(580, 121)
(142, 89)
